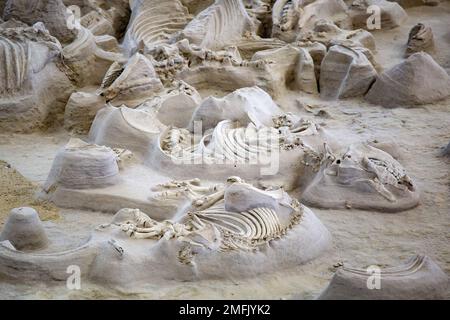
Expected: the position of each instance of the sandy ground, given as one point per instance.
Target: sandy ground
(17, 191)
(361, 238)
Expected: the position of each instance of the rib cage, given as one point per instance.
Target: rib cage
(242, 144)
(14, 58)
(156, 21)
(412, 266)
(221, 23)
(243, 230)
(229, 144)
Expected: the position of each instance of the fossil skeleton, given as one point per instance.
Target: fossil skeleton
(243, 230)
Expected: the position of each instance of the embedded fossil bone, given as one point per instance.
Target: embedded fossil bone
(231, 145)
(16, 47)
(125, 128)
(420, 39)
(345, 72)
(417, 80)
(291, 17)
(124, 157)
(30, 64)
(419, 278)
(153, 22)
(225, 69)
(218, 25)
(291, 67)
(142, 226)
(132, 82)
(245, 230)
(33, 11)
(285, 16)
(85, 60)
(176, 105)
(102, 17)
(188, 194)
(252, 71)
(329, 34)
(191, 248)
(244, 105)
(366, 178)
(334, 11)
(260, 12)
(106, 17)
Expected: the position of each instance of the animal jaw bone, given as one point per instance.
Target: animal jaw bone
(363, 177)
(378, 167)
(285, 16)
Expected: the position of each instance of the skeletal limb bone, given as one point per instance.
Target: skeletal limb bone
(144, 227)
(192, 189)
(201, 196)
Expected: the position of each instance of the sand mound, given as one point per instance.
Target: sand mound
(17, 191)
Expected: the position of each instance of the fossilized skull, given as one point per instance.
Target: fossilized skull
(363, 177)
